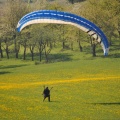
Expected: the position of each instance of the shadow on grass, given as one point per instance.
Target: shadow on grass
(55, 101)
(112, 52)
(115, 55)
(56, 57)
(111, 55)
(11, 66)
(1, 73)
(60, 57)
(114, 103)
(52, 101)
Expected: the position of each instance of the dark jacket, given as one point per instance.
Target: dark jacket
(46, 92)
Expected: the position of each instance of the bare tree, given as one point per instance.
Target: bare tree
(12, 14)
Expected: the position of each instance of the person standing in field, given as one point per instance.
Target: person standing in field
(46, 93)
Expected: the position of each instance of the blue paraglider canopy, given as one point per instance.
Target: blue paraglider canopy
(58, 17)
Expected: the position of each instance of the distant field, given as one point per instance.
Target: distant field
(82, 90)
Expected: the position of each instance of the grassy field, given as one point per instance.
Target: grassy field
(82, 90)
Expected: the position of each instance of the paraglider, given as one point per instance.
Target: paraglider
(58, 17)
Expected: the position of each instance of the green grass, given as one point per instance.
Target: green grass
(82, 90)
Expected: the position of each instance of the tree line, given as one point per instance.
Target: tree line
(44, 37)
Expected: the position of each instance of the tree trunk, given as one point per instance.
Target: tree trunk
(93, 50)
(1, 52)
(63, 44)
(40, 50)
(47, 52)
(15, 46)
(17, 51)
(93, 45)
(7, 52)
(40, 53)
(119, 36)
(32, 53)
(51, 46)
(24, 54)
(46, 56)
(63, 39)
(80, 47)
(16, 55)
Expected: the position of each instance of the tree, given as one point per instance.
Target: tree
(39, 31)
(32, 43)
(46, 36)
(70, 35)
(47, 41)
(1, 29)
(7, 39)
(111, 17)
(12, 14)
(79, 34)
(1, 51)
(104, 13)
(23, 40)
